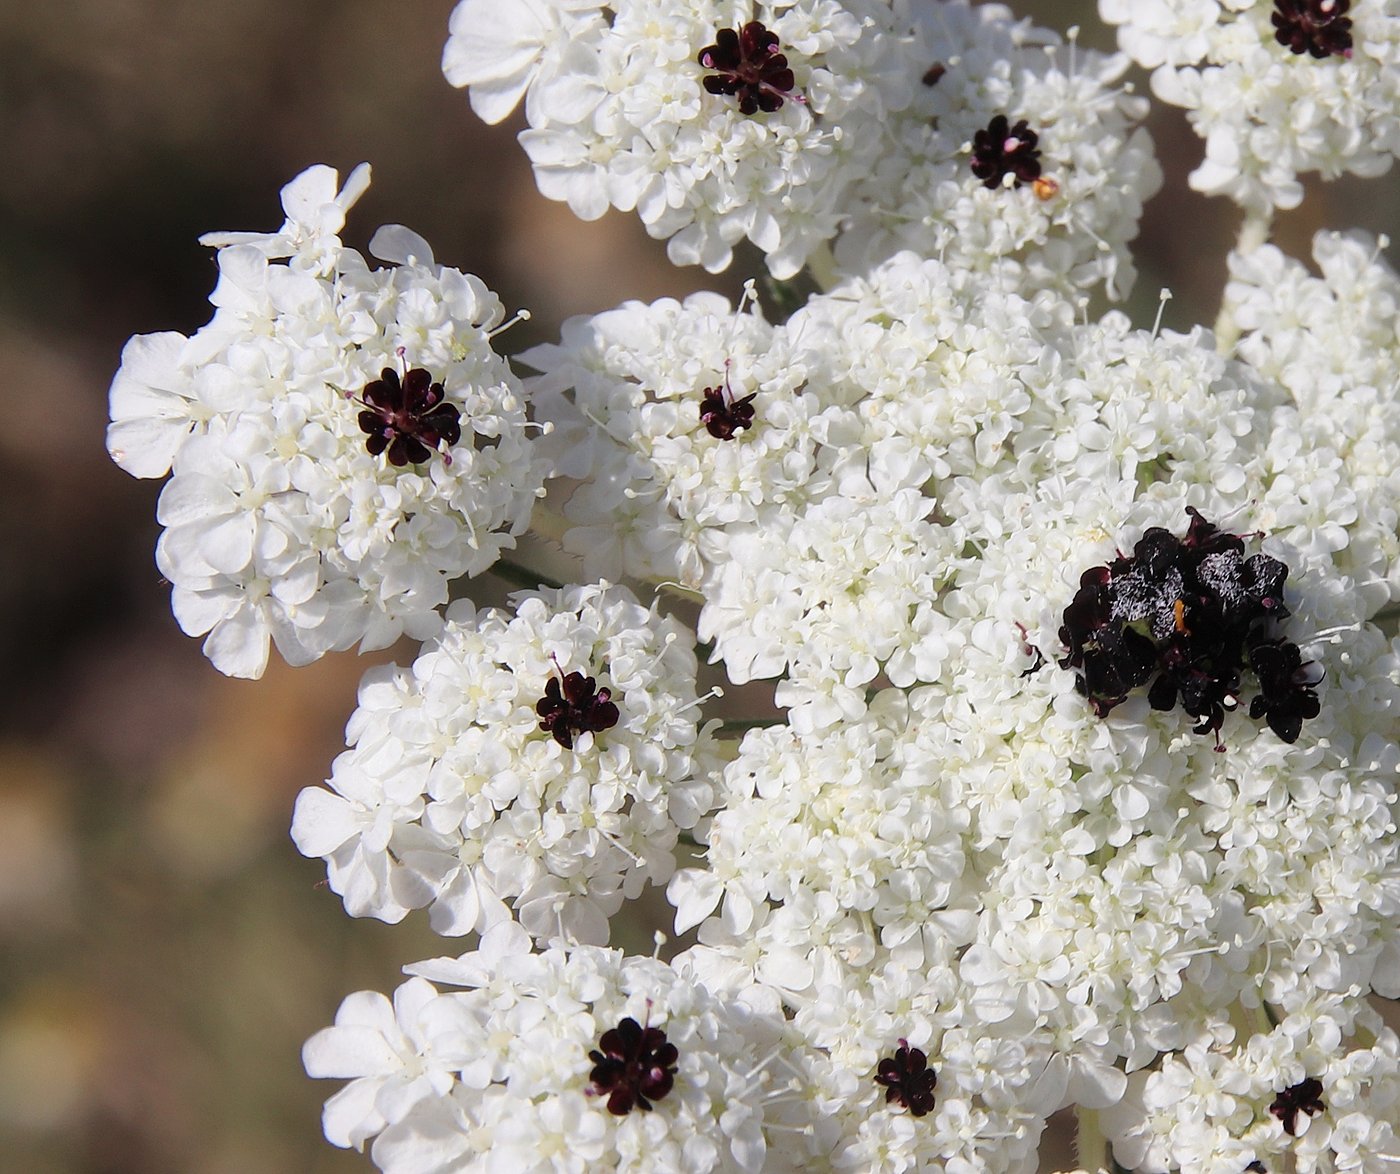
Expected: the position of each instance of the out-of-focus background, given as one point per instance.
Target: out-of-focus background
(164, 951)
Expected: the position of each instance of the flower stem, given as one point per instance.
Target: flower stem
(742, 726)
(522, 576)
(1090, 1145)
(1254, 231)
(822, 266)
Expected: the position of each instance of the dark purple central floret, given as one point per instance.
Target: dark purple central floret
(907, 1079)
(722, 414)
(1193, 613)
(1303, 1097)
(747, 65)
(1319, 27)
(573, 705)
(1003, 150)
(632, 1066)
(408, 419)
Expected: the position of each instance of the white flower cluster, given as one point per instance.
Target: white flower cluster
(1086, 792)
(1293, 1097)
(1069, 227)
(869, 128)
(1333, 343)
(532, 1068)
(457, 793)
(1274, 87)
(281, 521)
(620, 115)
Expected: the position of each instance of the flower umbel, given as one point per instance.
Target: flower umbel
(1003, 150)
(748, 65)
(631, 1064)
(1319, 27)
(908, 1080)
(409, 418)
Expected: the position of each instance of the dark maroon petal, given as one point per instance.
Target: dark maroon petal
(633, 1066)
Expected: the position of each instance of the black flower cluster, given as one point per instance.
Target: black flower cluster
(1319, 27)
(1303, 1097)
(908, 1080)
(632, 1066)
(1193, 613)
(748, 66)
(574, 704)
(1003, 150)
(408, 419)
(722, 414)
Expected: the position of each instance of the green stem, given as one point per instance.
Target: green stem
(1090, 1145)
(522, 576)
(1253, 233)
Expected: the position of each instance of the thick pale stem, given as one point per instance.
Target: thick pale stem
(1253, 233)
(822, 266)
(1090, 1145)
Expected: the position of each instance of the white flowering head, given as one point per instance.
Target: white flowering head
(715, 121)
(1016, 154)
(1332, 341)
(344, 441)
(1276, 88)
(549, 759)
(1140, 703)
(1293, 1097)
(578, 1061)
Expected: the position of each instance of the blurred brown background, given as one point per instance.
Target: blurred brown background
(164, 951)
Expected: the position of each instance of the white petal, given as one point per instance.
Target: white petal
(322, 822)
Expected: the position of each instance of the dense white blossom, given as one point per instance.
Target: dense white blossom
(501, 1075)
(1332, 340)
(1068, 228)
(280, 521)
(454, 795)
(1224, 1102)
(619, 114)
(1269, 113)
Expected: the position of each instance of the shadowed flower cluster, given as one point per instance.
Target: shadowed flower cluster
(1192, 613)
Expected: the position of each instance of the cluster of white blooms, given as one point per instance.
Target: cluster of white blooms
(1060, 202)
(1070, 889)
(1274, 87)
(1294, 1097)
(621, 113)
(343, 440)
(556, 1061)
(1333, 343)
(548, 758)
(787, 121)
(1085, 794)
